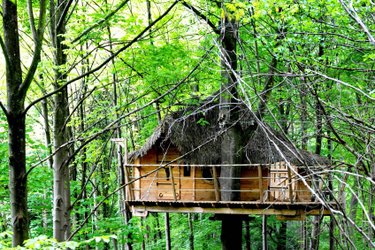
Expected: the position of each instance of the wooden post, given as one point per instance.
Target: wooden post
(173, 186)
(290, 183)
(129, 190)
(260, 183)
(167, 233)
(216, 185)
(193, 167)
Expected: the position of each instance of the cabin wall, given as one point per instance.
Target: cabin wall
(186, 183)
(250, 183)
(158, 185)
(303, 192)
(204, 187)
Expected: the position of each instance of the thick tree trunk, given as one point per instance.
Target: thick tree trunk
(61, 177)
(231, 146)
(16, 126)
(61, 189)
(231, 226)
(16, 114)
(17, 176)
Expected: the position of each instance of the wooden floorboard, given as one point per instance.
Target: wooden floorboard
(233, 207)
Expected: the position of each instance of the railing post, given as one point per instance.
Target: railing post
(260, 183)
(216, 184)
(290, 188)
(128, 188)
(172, 180)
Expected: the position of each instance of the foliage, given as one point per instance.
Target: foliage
(314, 54)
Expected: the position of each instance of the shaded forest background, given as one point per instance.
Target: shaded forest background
(91, 71)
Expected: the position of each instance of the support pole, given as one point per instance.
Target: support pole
(216, 185)
(260, 183)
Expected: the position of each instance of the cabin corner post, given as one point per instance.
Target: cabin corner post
(260, 180)
(290, 187)
(216, 184)
(173, 183)
(129, 190)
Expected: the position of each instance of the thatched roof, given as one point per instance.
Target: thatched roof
(196, 132)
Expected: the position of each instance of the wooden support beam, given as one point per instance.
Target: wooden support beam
(173, 183)
(260, 183)
(128, 188)
(290, 187)
(194, 184)
(216, 184)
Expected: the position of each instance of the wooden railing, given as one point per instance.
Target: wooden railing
(278, 182)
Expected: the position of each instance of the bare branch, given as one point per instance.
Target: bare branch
(202, 16)
(344, 83)
(354, 15)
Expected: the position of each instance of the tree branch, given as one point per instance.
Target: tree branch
(38, 40)
(5, 52)
(353, 14)
(31, 18)
(106, 18)
(105, 61)
(3, 108)
(63, 15)
(202, 16)
(265, 94)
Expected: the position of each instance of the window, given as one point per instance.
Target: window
(207, 174)
(187, 170)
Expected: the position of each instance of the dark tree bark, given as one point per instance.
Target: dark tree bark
(231, 225)
(247, 235)
(16, 113)
(167, 232)
(314, 241)
(231, 146)
(281, 239)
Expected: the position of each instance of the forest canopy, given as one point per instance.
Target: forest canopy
(77, 74)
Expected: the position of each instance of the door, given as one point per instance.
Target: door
(282, 182)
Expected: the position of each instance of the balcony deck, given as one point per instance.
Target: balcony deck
(263, 190)
(297, 209)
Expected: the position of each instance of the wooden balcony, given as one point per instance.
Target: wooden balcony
(274, 189)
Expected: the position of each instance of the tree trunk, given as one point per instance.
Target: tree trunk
(61, 186)
(17, 175)
(314, 241)
(15, 111)
(247, 235)
(315, 234)
(231, 146)
(16, 126)
(167, 233)
(191, 231)
(231, 231)
(281, 241)
(264, 233)
(61, 181)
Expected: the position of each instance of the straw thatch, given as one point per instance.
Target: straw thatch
(196, 132)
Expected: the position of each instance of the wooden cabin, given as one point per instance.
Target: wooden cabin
(178, 170)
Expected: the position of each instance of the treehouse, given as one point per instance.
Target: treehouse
(179, 170)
